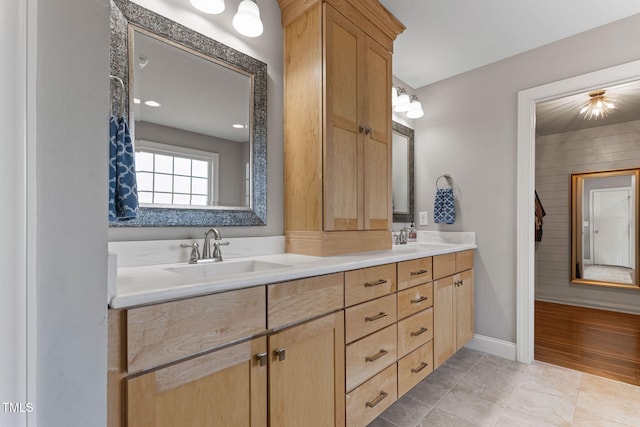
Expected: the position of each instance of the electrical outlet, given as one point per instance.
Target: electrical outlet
(424, 218)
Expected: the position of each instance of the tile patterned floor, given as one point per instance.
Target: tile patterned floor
(477, 389)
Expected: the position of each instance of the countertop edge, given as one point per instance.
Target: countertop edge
(327, 265)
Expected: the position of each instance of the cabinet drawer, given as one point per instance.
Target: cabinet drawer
(369, 400)
(464, 260)
(414, 299)
(292, 302)
(414, 272)
(370, 355)
(369, 317)
(369, 283)
(414, 367)
(444, 265)
(162, 333)
(415, 331)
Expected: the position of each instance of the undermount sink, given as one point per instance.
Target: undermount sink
(224, 268)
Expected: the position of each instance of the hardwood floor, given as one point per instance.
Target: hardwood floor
(598, 342)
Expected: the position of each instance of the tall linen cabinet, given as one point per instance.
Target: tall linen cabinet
(337, 125)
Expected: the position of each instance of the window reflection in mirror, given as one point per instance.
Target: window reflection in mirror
(604, 226)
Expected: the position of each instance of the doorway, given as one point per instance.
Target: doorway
(525, 257)
(610, 212)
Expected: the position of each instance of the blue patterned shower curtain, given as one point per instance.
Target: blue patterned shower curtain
(123, 191)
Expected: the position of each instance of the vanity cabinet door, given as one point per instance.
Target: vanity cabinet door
(306, 374)
(227, 387)
(464, 307)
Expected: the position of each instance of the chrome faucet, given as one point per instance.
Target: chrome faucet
(206, 246)
(403, 236)
(195, 253)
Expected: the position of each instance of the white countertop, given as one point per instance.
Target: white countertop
(154, 283)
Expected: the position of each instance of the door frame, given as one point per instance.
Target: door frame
(525, 210)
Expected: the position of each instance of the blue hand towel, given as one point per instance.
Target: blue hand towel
(123, 192)
(444, 208)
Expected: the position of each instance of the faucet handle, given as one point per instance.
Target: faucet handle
(195, 253)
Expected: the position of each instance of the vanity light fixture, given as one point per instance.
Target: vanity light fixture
(415, 108)
(598, 106)
(403, 103)
(247, 21)
(212, 7)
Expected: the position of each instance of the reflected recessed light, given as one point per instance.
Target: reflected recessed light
(136, 100)
(239, 126)
(152, 103)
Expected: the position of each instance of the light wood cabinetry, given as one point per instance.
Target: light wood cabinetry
(337, 125)
(306, 374)
(336, 349)
(227, 387)
(453, 305)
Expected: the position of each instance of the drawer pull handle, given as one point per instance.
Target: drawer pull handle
(419, 368)
(281, 354)
(419, 272)
(420, 331)
(376, 317)
(419, 300)
(376, 283)
(376, 356)
(262, 358)
(374, 402)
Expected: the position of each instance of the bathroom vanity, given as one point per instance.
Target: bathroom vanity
(327, 341)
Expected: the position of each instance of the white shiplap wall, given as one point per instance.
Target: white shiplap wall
(557, 157)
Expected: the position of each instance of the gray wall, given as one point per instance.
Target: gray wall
(557, 157)
(71, 225)
(267, 48)
(470, 131)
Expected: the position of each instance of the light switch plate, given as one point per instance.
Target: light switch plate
(424, 218)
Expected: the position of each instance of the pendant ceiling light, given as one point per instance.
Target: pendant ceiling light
(247, 21)
(598, 106)
(212, 7)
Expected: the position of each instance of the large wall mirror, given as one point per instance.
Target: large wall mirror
(197, 110)
(604, 228)
(402, 170)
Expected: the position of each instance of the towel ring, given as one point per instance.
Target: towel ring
(447, 178)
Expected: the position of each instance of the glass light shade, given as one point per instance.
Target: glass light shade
(403, 103)
(415, 110)
(247, 21)
(212, 7)
(394, 96)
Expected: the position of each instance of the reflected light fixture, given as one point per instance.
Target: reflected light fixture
(394, 96)
(598, 106)
(212, 7)
(247, 21)
(415, 108)
(402, 106)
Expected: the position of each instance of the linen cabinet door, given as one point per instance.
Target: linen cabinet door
(375, 72)
(444, 318)
(464, 308)
(342, 154)
(306, 374)
(227, 388)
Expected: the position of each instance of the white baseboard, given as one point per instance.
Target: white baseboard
(493, 346)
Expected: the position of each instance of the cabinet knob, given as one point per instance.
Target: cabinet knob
(262, 358)
(281, 354)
